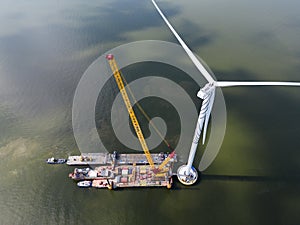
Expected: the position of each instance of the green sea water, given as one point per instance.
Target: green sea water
(45, 47)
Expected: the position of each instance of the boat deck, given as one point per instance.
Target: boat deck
(88, 159)
(107, 158)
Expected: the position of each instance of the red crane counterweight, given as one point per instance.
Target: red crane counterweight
(109, 56)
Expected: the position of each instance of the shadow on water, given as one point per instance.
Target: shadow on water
(289, 180)
(283, 179)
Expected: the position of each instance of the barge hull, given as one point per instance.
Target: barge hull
(122, 170)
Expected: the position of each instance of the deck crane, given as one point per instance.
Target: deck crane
(137, 128)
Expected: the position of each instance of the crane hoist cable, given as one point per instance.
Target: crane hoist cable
(144, 113)
(119, 79)
(165, 162)
(133, 118)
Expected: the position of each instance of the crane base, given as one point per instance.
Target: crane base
(187, 177)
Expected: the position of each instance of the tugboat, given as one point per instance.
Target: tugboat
(53, 160)
(84, 184)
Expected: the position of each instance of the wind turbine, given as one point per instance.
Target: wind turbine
(187, 174)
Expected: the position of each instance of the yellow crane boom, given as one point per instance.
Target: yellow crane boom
(165, 162)
(137, 128)
(135, 123)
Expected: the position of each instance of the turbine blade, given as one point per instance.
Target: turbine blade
(197, 63)
(201, 120)
(254, 83)
(207, 116)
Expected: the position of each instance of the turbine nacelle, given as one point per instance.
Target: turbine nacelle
(206, 90)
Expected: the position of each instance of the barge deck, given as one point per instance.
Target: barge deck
(118, 159)
(125, 176)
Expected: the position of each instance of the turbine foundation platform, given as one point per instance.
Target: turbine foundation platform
(187, 177)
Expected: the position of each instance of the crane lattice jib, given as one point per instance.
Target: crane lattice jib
(165, 162)
(137, 128)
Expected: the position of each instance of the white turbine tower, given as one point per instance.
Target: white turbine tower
(187, 174)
